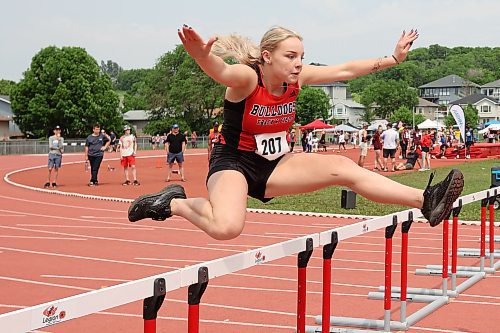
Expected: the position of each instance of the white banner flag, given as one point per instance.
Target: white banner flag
(458, 114)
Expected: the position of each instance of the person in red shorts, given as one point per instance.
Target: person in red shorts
(128, 150)
(252, 156)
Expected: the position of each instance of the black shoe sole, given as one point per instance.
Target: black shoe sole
(455, 187)
(137, 204)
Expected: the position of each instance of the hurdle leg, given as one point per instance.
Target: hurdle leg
(482, 254)
(302, 261)
(389, 233)
(492, 229)
(404, 265)
(454, 245)
(195, 292)
(328, 251)
(444, 274)
(152, 304)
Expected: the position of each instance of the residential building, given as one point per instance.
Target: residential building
(487, 107)
(8, 127)
(492, 90)
(447, 89)
(137, 119)
(343, 108)
(429, 110)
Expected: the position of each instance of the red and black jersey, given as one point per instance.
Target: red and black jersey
(261, 112)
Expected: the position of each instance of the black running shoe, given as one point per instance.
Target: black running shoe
(155, 206)
(46, 185)
(439, 198)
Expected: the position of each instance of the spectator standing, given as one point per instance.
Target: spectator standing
(303, 140)
(128, 150)
(194, 137)
(342, 141)
(469, 141)
(112, 141)
(426, 151)
(363, 145)
(391, 143)
(213, 138)
(175, 146)
(293, 139)
(95, 145)
(56, 149)
(377, 148)
(404, 140)
(309, 141)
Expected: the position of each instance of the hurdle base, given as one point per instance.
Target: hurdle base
(420, 271)
(415, 298)
(461, 269)
(474, 253)
(363, 323)
(421, 291)
(318, 329)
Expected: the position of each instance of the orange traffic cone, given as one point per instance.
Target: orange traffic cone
(159, 164)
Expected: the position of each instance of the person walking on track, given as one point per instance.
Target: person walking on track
(252, 157)
(95, 145)
(128, 150)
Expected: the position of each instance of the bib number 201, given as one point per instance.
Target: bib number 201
(271, 145)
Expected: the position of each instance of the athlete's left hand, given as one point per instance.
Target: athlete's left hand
(404, 44)
(194, 44)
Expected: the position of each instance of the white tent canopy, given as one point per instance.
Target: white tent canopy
(345, 128)
(430, 124)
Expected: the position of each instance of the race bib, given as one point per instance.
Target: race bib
(271, 145)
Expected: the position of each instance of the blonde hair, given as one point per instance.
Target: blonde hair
(246, 52)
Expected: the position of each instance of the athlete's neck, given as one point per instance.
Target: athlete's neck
(274, 86)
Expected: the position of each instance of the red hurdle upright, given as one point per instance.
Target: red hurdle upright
(195, 292)
(328, 251)
(302, 261)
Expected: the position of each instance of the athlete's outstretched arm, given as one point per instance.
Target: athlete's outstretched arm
(349, 70)
(235, 76)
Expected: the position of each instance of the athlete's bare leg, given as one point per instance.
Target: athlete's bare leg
(306, 173)
(223, 217)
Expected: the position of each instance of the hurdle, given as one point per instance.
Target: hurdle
(154, 290)
(436, 298)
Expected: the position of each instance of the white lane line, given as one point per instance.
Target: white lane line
(80, 226)
(206, 321)
(62, 205)
(103, 217)
(147, 227)
(40, 237)
(481, 296)
(472, 302)
(122, 240)
(440, 330)
(53, 254)
(12, 215)
(174, 260)
(44, 283)
(70, 277)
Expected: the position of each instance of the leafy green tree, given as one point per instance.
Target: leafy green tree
(388, 96)
(64, 86)
(312, 103)
(128, 78)
(111, 69)
(6, 87)
(180, 89)
(368, 116)
(471, 117)
(406, 115)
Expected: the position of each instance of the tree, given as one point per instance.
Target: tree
(387, 96)
(406, 115)
(180, 89)
(64, 86)
(127, 78)
(6, 87)
(471, 117)
(111, 69)
(312, 103)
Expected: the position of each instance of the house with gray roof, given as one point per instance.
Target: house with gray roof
(8, 128)
(137, 119)
(429, 110)
(491, 90)
(343, 108)
(447, 89)
(488, 108)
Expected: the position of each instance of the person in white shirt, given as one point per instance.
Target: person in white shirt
(128, 149)
(342, 141)
(391, 143)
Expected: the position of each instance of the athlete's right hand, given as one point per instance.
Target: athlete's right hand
(194, 44)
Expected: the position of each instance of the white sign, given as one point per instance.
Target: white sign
(458, 114)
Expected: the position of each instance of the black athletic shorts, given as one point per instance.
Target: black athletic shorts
(389, 152)
(255, 168)
(425, 149)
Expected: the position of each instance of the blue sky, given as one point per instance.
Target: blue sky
(136, 33)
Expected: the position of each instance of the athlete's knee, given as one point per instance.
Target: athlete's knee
(226, 229)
